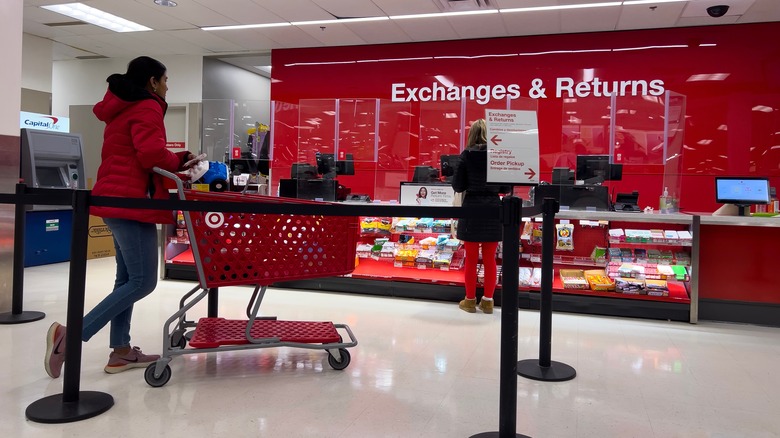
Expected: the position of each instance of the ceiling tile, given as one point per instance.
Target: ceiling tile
(295, 10)
(589, 20)
(249, 39)
(650, 16)
(532, 23)
(349, 8)
(210, 41)
(144, 12)
(289, 37)
(332, 34)
(490, 25)
(44, 31)
(190, 11)
(698, 8)
(63, 52)
(406, 7)
(379, 32)
(168, 42)
(762, 10)
(428, 29)
(96, 46)
(242, 11)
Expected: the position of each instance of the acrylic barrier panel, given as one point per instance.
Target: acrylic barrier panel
(217, 134)
(317, 128)
(356, 147)
(674, 135)
(396, 141)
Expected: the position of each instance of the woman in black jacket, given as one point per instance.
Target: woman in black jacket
(471, 178)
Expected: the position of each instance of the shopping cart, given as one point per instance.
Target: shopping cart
(238, 249)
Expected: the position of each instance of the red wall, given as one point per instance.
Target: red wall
(726, 132)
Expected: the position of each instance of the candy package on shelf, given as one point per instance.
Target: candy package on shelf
(524, 276)
(573, 279)
(598, 280)
(424, 223)
(425, 257)
(631, 286)
(598, 255)
(565, 237)
(428, 242)
(657, 288)
(442, 259)
(536, 234)
(441, 226)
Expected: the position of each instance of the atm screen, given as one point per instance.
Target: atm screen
(49, 177)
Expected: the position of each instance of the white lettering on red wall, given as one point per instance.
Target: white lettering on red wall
(564, 88)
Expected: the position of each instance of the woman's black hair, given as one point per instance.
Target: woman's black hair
(142, 68)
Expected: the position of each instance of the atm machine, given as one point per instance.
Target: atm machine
(51, 160)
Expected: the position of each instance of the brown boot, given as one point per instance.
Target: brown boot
(468, 305)
(486, 306)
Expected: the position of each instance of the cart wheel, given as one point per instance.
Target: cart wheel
(345, 358)
(178, 339)
(162, 380)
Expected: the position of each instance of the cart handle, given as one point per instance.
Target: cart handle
(175, 178)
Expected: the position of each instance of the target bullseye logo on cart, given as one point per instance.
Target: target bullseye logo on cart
(214, 220)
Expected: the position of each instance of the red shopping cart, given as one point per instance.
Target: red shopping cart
(239, 249)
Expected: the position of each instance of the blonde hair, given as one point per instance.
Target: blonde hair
(477, 133)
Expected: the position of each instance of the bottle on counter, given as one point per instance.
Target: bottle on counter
(663, 205)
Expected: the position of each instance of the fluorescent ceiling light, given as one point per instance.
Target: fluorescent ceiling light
(341, 20)
(648, 2)
(246, 26)
(97, 17)
(561, 7)
(444, 14)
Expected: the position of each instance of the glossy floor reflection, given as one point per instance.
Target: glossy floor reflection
(421, 369)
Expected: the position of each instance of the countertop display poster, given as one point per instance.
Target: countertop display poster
(513, 146)
(434, 195)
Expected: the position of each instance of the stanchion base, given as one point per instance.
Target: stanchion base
(18, 318)
(495, 435)
(52, 409)
(556, 372)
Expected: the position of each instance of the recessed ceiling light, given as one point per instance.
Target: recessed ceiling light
(167, 3)
(97, 17)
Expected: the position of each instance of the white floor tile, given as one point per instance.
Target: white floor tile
(421, 369)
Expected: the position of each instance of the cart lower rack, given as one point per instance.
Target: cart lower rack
(235, 249)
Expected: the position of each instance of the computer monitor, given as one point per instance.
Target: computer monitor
(448, 164)
(742, 191)
(326, 163)
(303, 171)
(346, 166)
(595, 169)
(248, 165)
(562, 175)
(425, 174)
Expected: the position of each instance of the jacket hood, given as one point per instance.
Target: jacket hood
(121, 95)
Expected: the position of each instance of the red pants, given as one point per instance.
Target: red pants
(488, 259)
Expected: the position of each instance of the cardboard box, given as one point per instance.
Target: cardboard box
(100, 242)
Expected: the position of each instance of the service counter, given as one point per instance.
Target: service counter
(738, 275)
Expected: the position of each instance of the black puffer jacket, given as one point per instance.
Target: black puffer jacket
(471, 177)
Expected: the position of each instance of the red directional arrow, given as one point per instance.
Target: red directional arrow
(495, 140)
(531, 174)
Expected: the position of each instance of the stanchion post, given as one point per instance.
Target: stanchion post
(545, 369)
(72, 404)
(511, 211)
(17, 315)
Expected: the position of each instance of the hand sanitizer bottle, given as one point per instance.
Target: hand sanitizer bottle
(663, 201)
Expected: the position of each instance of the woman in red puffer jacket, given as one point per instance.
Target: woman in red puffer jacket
(133, 144)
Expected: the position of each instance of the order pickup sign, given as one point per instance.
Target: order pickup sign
(513, 146)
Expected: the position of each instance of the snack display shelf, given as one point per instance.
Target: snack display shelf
(565, 260)
(558, 289)
(652, 245)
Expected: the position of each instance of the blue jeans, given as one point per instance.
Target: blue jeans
(136, 277)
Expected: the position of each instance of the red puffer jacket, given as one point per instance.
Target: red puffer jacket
(133, 144)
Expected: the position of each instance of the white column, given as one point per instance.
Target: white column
(11, 91)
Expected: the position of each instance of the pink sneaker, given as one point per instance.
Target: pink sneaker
(55, 350)
(134, 359)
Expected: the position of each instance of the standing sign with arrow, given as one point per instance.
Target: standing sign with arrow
(513, 146)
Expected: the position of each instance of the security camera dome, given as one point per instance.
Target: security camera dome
(718, 10)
